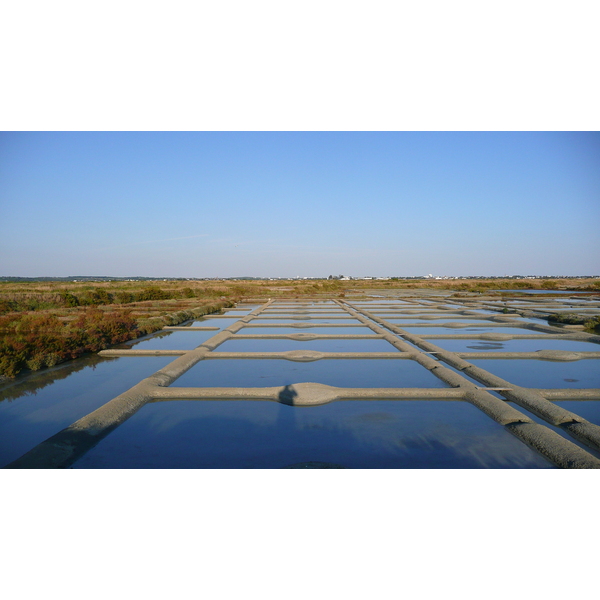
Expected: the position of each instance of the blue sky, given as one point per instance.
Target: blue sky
(299, 203)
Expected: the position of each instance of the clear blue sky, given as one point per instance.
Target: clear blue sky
(299, 204)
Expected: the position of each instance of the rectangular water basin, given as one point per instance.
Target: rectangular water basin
(258, 345)
(306, 319)
(172, 340)
(408, 434)
(316, 330)
(376, 302)
(466, 330)
(516, 345)
(229, 312)
(444, 319)
(220, 322)
(543, 373)
(352, 372)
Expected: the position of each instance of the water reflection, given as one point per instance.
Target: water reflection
(28, 384)
(315, 330)
(357, 434)
(463, 330)
(39, 406)
(247, 372)
(341, 345)
(173, 340)
(516, 345)
(544, 374)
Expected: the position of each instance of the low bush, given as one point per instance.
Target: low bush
(36, 341)
(591, 323)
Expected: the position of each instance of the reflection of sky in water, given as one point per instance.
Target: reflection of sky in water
(304, 305)
(387, 303)
(303, 313)
(252, 345)
(351, 372)
(445, 319)
(516, 345)
(316, 330)
(467, 330)
(30, 419)
(543, 373)
(172, 340)
(305, 319)
(352, 434)
(221, 322)
(240, 310)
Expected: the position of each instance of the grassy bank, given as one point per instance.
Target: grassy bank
(37, 340)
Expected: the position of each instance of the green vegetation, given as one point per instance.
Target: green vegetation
(36, 341)
(46, 323)
(590, 323)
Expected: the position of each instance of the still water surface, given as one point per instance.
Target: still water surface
(252, 345)
(348, 434)
(36, 407)
(473, 330)
(516, 345)
(247, 372)
(544, 374)
(293, 330)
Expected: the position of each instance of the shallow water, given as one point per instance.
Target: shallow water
(544, 374)
(467, 330)
(442, 321)
(305, 319)
(351, 372)
(402, 303)
(516, 345)
(221, 322)
(304, 305)
(349, 434)
(36, 407)
(315, 330)
(174, 340)
(252, 345)
(242, 310)
(304, 311)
